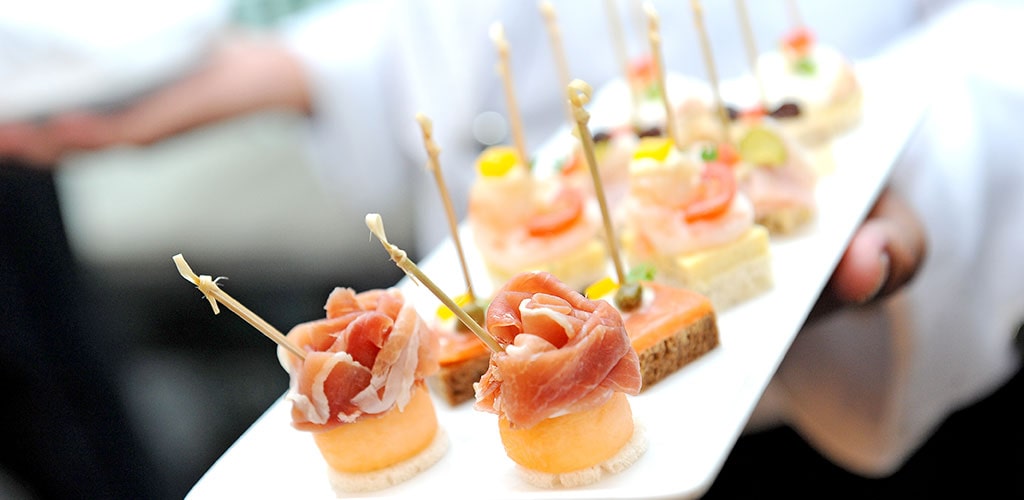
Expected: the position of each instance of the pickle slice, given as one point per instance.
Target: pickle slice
(762, 146)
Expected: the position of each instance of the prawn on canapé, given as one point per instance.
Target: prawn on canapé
(679, 203)
(520, 222)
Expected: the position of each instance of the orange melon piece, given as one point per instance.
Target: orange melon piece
(571, 442)
(375, 443)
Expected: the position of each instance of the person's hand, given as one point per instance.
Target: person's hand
(241, 76)
(883, 255)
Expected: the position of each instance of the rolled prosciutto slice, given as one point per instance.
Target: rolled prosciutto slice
(563, 352)
(361, 360)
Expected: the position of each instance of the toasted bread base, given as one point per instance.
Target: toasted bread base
(820, 123)
(726, 274)
(579, 269)
(627, 456)
(782, 222)
(344, 483)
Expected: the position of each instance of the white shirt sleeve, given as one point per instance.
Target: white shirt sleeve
(373, 66)
(867, 387)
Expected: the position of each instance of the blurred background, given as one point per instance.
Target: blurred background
(238, 199)
(195, 381)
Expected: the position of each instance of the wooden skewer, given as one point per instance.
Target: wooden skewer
(709, 62)
(654, 36)
(554, 33)
(638, 14)
(376, 225)
(619, 43)
(752, 52)
(579, 95)
(453, 225)
(214, 294)
(505, 69)
(794, 14)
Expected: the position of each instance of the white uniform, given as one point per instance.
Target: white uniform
(867, 386)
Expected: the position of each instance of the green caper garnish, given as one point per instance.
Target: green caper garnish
(629, 296)
(476, 311)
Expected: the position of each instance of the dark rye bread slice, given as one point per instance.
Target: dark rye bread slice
(675, 328)
(672, 353)
(454, 381)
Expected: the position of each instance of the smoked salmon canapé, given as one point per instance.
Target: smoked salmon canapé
(522, 222)
(669, 328)
(560, 385)
(463, 357)
(361, 390)
(685, 217)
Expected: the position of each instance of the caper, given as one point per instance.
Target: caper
(629, 296)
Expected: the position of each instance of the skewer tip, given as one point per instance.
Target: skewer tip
(424, 122)
(376, 225)
(580, 92)
(497, 32)
(204, 283)
(652, 15)
(547, 9)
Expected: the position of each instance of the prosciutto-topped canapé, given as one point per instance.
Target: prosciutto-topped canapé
(563, 353)
(362, 359)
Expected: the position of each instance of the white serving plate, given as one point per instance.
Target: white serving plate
(692, 419)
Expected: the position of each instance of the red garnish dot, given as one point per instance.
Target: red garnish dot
(715, 193)
(799, 40)
(727, 154)
(567, 208)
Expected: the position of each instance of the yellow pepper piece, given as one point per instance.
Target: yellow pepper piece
(497, 161)
(601, 288)
(656, 148)
(445, 314)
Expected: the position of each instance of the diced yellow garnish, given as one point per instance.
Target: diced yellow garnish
(656, 148)
(601, 287)
(600, 151)
(445, 314)
(497, 161)
(761, 146)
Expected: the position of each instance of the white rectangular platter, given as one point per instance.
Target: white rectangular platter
(692, 419)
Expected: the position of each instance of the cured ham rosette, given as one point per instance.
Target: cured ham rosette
(360, 389)
(362, 359)
(559, 386)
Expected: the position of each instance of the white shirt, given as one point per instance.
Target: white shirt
(867, 386)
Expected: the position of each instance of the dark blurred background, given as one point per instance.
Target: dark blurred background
(239, 199)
